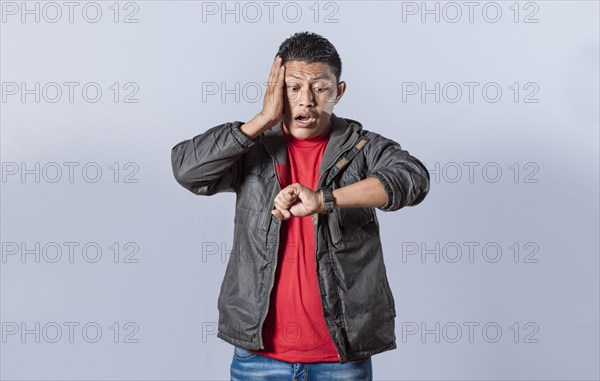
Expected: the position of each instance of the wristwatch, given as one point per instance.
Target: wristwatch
(328, 201)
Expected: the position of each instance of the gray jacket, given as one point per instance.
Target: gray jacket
(357, 301)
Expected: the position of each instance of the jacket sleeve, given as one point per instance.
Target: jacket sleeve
(404, 177)
(210, 162)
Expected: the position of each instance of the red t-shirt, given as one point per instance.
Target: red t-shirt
(295, 330)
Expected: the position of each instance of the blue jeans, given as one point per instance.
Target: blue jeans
(248, 366)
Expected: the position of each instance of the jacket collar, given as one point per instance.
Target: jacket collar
(343, 137)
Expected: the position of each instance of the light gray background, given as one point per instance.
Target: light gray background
(170, 294)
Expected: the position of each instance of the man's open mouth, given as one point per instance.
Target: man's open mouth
(304, 119)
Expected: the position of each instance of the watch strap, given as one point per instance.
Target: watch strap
(328, 201)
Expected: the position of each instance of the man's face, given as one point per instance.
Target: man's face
(309, 97)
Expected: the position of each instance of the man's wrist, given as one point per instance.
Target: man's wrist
(248, 131)
(256, 126)
(321, 199)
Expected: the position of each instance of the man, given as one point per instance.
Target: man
(305, 294)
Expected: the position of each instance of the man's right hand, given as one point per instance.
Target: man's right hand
(272, 109)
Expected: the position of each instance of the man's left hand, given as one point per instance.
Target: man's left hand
(296, 200)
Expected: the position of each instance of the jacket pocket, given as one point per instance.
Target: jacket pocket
(352, 218)
(254, 183)
(352, 224)
(357, 224)
(251, 193)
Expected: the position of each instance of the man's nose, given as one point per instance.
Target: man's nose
(307, 98)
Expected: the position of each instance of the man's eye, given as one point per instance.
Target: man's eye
(292, 88)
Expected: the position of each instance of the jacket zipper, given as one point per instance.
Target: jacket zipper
(337, 346)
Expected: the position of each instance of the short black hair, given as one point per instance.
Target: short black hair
(311, 47)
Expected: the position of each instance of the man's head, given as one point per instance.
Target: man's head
(310, 47)
(312, 80)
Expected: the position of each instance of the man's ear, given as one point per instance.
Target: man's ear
(341, 88)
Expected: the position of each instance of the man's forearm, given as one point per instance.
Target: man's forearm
(367, 193)
(296, 200)
(256, 126)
